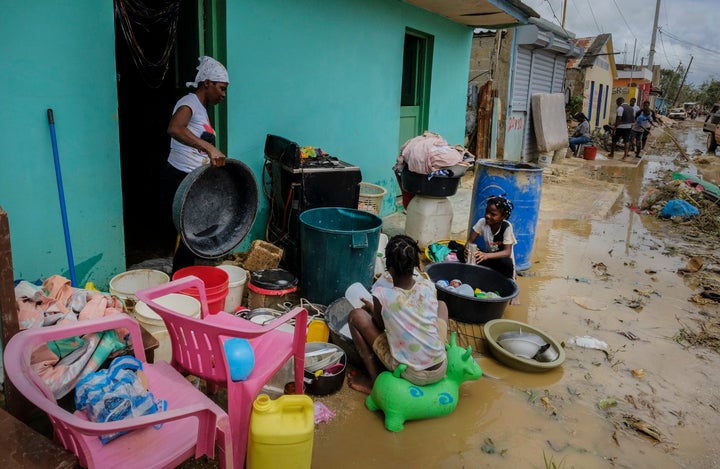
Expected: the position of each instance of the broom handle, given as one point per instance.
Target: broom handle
(61, 194)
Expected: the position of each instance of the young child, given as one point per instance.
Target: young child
(642, 124)
(496, 249)
(404, 323)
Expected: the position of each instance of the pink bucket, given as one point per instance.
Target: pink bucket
(216, 282)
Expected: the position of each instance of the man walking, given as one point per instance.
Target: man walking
(624, 119)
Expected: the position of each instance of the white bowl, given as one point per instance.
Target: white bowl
(521, 347)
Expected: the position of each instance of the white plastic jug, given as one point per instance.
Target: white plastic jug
(356, 291)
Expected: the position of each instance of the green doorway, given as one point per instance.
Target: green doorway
(415, 93)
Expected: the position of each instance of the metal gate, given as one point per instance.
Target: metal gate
(545, 74)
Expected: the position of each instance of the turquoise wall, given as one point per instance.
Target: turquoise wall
(325, 74)
(60, 55)
(328, 74)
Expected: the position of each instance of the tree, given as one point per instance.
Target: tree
(709, 93)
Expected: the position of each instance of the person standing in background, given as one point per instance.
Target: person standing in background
(624, 119)
(192, 141)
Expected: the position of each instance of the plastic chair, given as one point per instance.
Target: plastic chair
(197, 349)
(190, 426)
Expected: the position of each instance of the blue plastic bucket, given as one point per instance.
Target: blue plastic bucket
(521, 183)
(338, 247)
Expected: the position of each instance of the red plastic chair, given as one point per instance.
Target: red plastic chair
(190, 426)
(197, 349)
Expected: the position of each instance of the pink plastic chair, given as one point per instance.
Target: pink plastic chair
(197, 349)
(190, 426)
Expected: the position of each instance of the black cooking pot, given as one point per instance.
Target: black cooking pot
(329, 382)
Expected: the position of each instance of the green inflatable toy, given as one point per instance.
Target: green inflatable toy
(401, 400)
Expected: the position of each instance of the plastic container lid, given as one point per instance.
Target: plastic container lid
(273, 279)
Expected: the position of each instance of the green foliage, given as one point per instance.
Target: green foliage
(709, 93)
(551, 464)
(574, 106)
(706, 94)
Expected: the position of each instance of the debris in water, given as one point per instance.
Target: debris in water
(589, 303)
(642, 426)
(548, 405)
(634, 303)
(488, 447)
(588, 342)
(629, 335)
(607, 402)
(693, 265)
(601, 270)
(638, 373)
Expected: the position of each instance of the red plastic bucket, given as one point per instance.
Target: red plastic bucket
(216, 282)
(589, 152)
(406, 196)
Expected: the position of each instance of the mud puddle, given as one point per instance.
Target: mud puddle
(649, 400)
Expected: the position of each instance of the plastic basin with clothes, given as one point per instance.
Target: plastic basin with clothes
(215, 208)
(471, 309)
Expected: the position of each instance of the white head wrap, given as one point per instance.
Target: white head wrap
(209, 69)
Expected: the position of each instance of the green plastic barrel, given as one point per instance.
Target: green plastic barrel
(338, 247)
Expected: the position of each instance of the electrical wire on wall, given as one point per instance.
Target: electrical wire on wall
(136, 18)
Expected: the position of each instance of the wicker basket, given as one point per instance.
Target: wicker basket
(262, 255)
(371, 197)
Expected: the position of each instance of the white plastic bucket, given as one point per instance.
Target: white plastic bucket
(428, 219)
(125, 285)
(545, 159)
(154, 324)
(236, 286)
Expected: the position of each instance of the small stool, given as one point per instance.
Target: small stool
(580, 150)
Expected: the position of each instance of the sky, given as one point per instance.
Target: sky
(686, 28)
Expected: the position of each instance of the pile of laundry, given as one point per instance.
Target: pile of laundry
(431, 154)
(62, 363)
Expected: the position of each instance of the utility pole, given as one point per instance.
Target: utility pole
(632, 68)
(682, 82)
(565, 11)
(654, 31)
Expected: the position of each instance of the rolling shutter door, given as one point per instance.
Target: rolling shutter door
(547, 76)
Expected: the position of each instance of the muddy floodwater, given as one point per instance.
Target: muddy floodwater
(602, 270)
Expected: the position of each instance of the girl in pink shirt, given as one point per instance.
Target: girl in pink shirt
(402, 324)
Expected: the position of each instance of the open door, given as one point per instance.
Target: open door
(414, 97)
(146, 97)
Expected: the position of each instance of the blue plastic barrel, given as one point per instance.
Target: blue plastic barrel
(338, 247)
(521, 183)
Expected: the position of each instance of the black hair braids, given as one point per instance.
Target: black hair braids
(503, 204)
(402, 253)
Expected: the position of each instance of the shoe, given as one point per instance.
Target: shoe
(637, 155)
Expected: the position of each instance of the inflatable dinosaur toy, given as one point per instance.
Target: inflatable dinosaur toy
(401, 400)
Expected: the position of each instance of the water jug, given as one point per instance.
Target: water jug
(281, 432)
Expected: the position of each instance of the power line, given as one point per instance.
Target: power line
(683, 41)
(594, 18)
(553, 13)
(624, 20)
